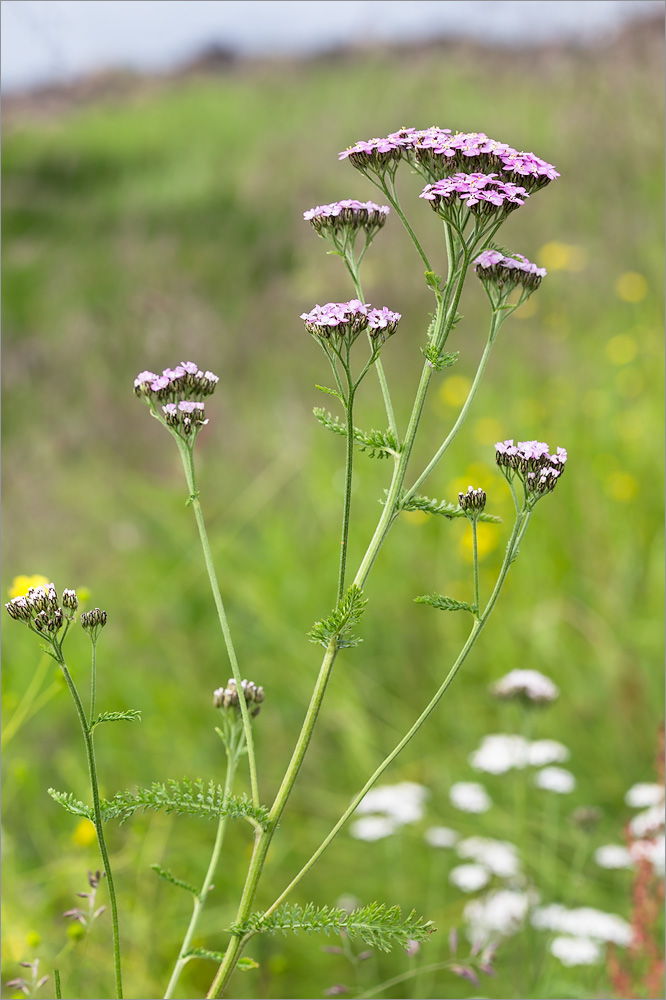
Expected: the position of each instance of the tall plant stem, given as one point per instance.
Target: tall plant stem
(349, 473)
(352, 267)
(518, 531)
(475, 559)
(201, 897)
(93, 679)
(494, 327)
(188, 464)
(97, 812)
(443, 321)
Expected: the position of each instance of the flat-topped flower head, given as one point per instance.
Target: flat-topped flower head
(186, 417)
(40, 609)
(484, 195)
(343, 321)
(377, 155)
(348, 214)
(500, 274)
(532, 463)
(174, 384)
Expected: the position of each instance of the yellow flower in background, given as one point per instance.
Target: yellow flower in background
(621, 486)
(22, 584)
(455, 390)
(84, 833)
(488, 430)
(562, 257)
(32, 939)
(487, 538)
(631, 287)
(621, 349)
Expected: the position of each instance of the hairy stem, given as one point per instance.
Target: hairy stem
(188, 464)
(97, 812)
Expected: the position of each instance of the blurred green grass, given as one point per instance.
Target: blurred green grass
(168, 226)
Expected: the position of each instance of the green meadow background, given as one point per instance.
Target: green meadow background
(166, 224)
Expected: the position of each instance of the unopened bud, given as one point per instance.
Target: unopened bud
(472, 500)
(70, 600)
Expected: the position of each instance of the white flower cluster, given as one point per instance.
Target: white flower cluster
(388, 807)
(527, 684)
(500, 752)
(488, 857)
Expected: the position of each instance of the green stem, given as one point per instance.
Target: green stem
(97, 812)
(349, 472)
(188, 464)
(352, 267)
(479, 624)
(93, 680)
(56, 982)
(392, 196)
(200, 899)
(475, 557)
(494, 327)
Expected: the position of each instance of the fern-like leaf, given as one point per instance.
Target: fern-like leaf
(168, 877)
(377, 925)
(131, 715)
(329, 392)
(444, 603)
(378, 444)
(339, 624)
(443, 508)
(71, 804)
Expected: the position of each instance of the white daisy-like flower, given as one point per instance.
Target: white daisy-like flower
(499, 752)
(499, 913)
(555, 779)
(440, 836)
(644, 795)
(373, 827)
(575, 950)
(469, 878)
(542, 752)
(497, 856)
(583, 922)
(528, 684)
(403, 803)
(613, 856)
(468, 796)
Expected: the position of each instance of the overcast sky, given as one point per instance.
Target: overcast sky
(45, 41)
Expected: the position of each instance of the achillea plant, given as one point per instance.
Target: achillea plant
(473, 184)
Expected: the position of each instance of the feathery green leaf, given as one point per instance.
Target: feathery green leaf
(131, 715)
(168, 877)
(376, 925)
(438, 358)
(378, 444)
(341, 621)
(444, 603)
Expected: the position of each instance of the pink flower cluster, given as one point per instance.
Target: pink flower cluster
(348, 213)
(348, 319)
(439, 152)
(493, 267)
(483, 194)
(181, 392)
(538, 469)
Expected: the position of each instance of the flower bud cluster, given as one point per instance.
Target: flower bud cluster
(41, 610)
(496, 271)
(181, 392)
(343, 321)
(350, 215)
(483, 194)
(439, 152)
(473, 500)
(93, 620)
(532, 462)
(228, 697)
